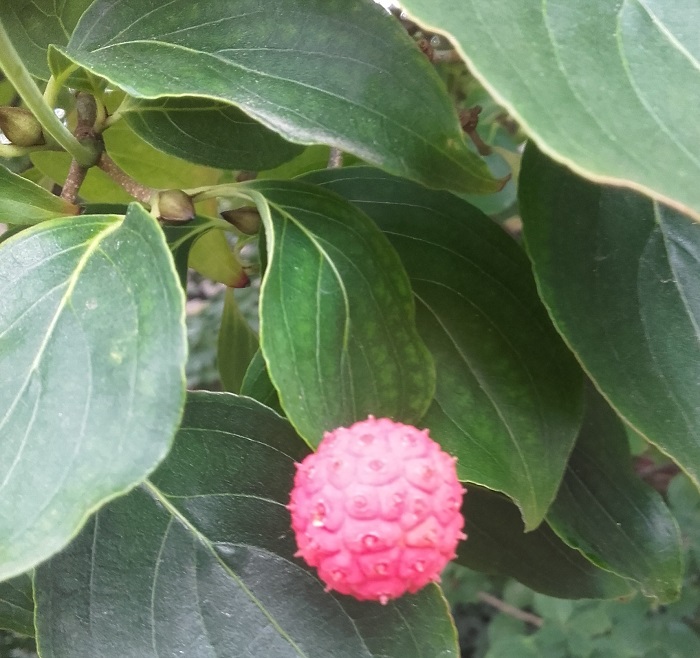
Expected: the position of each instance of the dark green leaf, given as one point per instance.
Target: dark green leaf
(336, 314)
(17, 605)
(339, 72)
(237, 345)
(92, 353)
(509, 399)
(34, 24)
(620, 276)
(604, 510)
(198, 562)
(497, 543)
(10, 231)
(207, 132)
(257, 385)
(605, 87)
(24, 202)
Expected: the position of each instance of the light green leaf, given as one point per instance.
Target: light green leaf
(212, 256)
(339, 72)
(97, 187)
(620, 276)
(198, 562)
(150, 166)
(207, 132)
(237, 345)
(17, 605)
(508, 401)
(605, 87)
(24, 202)
(337, 324)
(92, 353)
(604, 510)
(35, 24)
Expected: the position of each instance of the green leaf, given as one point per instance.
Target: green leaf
(339, 72)
(257, 385)
(237, 345)
(310, 159)
(211, 255)
(24, 202)
(497, 543)
(207, 132)
(34, 24)
(508, 401)
(619, 275)
(604, 87)
(684, 500)
(604, 510)
(180, 238)
(198, 562)
(150, 166)
(337, 322)
(92, 354)
(97, 186)
(17, 605)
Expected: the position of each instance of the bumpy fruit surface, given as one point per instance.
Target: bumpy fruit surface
(377, 509)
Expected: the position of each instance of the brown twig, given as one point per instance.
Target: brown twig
(75, 178)
(86, 109)
(470, 120)
(134, 188)
(510, 610)
(244, 175)
(335, 158)
(449, 56)
(426, 48)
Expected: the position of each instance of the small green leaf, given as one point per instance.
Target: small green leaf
(496, 543)
(24, 202)
(257, 385)
(17, 605)
(92, 354)
(605, 87)
(339, 72)
(207, 132)
(35, 24)
(619, 274)
(337, 322)
(508, 401)
(605, 511)
(237, 345)
(199, 562)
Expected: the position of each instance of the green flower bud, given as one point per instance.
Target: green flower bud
(20, 127)
(173, 206)
(246, 219)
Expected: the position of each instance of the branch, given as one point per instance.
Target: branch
(469, 120)
(335, 159)
(86, 107)
(21, 80)
(134, 188)
(510, 610)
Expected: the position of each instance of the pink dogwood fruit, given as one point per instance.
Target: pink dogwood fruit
(377, 509)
